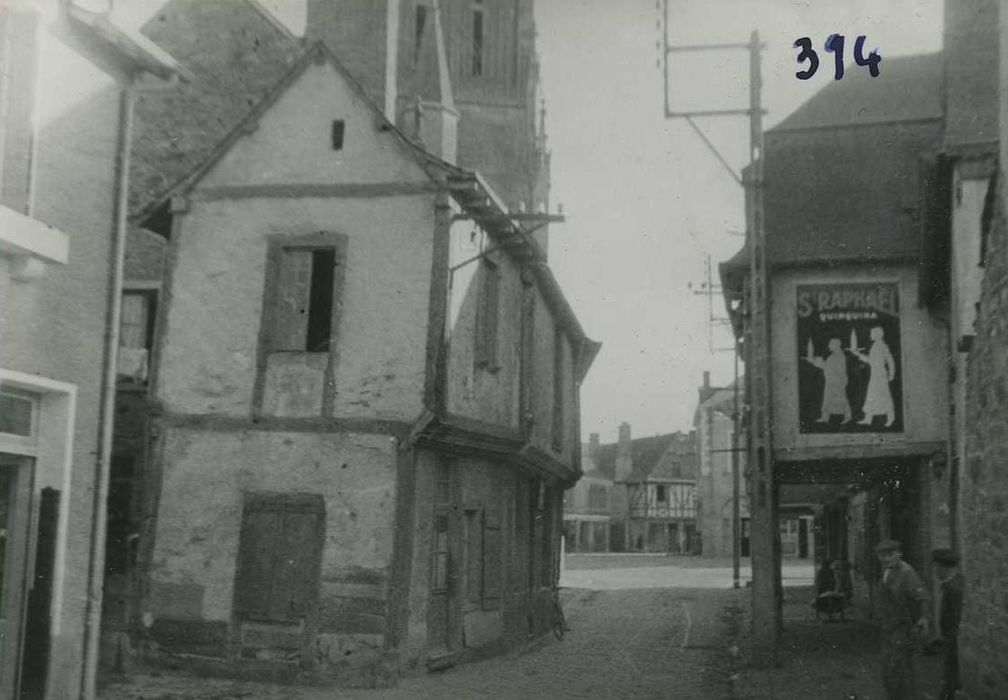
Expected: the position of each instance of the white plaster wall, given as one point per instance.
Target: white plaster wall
(292, 143)
(206, 474)
(922, 365)
(209, 351)
(211, 339)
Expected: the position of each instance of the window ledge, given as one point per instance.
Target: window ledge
(31, 244)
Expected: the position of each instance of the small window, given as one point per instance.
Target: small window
(661, 495)
(487, 316)
(439, 570)
(477, 38)
(338, 131)
(558, 390)
(303, 316)
(17, 414)
(136, 334)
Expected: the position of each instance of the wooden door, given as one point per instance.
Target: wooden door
(443, 582)
(15, 547)
(35, 657)
(279, 557)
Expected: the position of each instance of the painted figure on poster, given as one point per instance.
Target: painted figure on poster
(878, 398)
(834, 369)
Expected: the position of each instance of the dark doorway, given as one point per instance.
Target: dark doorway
(803, 537)
(35, 660)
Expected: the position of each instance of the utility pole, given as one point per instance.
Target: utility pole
(709, 289)
(764, 538)
(764, 534)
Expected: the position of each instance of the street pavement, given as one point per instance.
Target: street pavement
(628, 571)
(640, 627)
(662, 640)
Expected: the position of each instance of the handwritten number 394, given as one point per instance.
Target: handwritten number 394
(835, 45)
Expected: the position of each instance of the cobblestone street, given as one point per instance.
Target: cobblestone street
(632, 643)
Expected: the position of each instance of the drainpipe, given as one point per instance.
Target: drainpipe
(96, 573)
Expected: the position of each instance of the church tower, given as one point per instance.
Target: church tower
(483, 60)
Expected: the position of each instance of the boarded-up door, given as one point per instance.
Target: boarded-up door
(279, 557)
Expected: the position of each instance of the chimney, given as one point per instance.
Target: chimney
(624, 453)
(706, 390)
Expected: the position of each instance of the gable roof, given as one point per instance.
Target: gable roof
(646, 454)
(316, 53)
(676, 461)
(236, 52)
(853, 151)
(907, 89)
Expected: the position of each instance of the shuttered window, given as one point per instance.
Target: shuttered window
(483, 558)
(491, 560)
(474, 556)
(558, 390)
(487, 316)
(279, 557)
(304, 300)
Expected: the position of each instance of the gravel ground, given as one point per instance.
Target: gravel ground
(656, 643)
(827, 660)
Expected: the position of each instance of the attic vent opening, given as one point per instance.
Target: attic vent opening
(338, 131)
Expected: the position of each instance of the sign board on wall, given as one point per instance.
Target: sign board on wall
(850, 373)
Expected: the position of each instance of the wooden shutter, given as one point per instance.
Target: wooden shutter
(558, 390)
(474, 556)
(279, 559)
(487, 313)
(290, 328)
(491, 560)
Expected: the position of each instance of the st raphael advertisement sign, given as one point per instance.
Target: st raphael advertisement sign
(850, 378)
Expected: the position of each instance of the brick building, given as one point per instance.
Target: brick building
(66, 106)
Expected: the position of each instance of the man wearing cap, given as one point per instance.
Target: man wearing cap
(949, 613)
(903, 612)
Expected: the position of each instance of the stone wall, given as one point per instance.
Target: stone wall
(984, 505)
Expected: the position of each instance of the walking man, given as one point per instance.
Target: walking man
(946, 569)
(903, 612)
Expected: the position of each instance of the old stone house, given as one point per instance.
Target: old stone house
(66, 102)
(364, 390)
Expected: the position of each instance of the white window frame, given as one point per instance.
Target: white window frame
(52, 449)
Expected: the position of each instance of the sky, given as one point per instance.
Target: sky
(645, 201)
